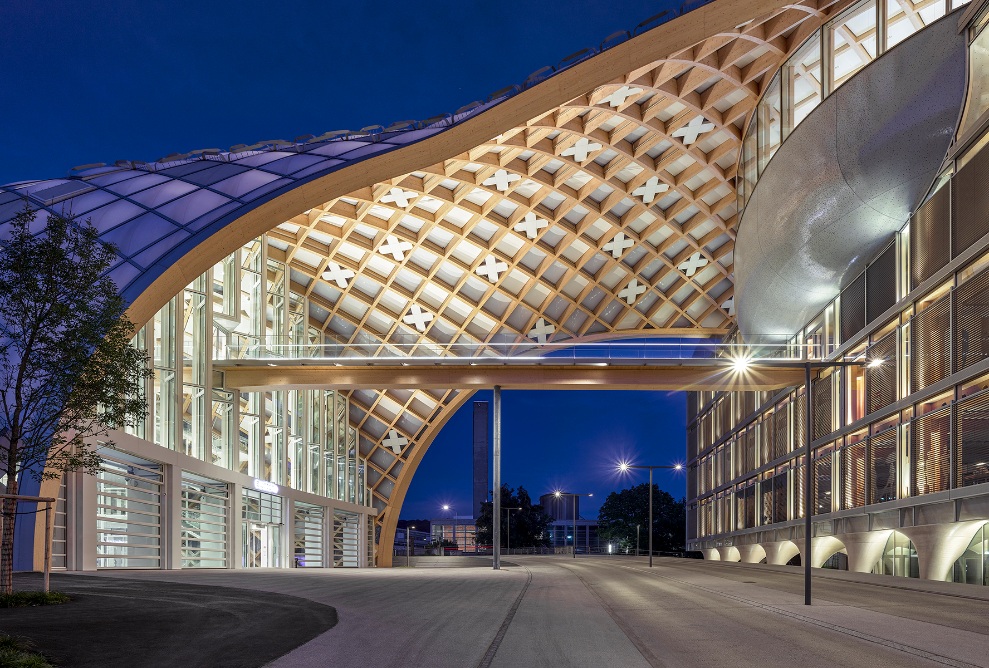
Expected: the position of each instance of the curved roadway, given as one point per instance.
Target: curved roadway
(599, 611)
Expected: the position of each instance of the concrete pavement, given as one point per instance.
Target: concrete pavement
(594, 611)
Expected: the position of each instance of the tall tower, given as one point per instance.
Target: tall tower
(480, 456)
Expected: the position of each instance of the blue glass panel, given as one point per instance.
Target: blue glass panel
(165, 192)
(144, 180)
(150, 255)
(293, 163)
(186, 168)
(81, 205)
(209, 217)
(324, 167)
(264, 190)
(236, 186)
(219, 172)
(192, 206)
(259, 159)
(114, 214)
(138, 233)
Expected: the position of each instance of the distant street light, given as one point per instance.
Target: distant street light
(623, 467)
(558, 494)
(408, 546)
(508, 536)
(453, 518)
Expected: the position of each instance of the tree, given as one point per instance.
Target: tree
(528, 525)
(622, 511)
(68, 373)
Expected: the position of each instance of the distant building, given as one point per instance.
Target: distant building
(561, 535)
(460, 529)
(560, 507)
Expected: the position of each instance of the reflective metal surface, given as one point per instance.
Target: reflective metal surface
(846, 180)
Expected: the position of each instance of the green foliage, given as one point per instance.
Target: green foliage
(528, 525)
(622, 511)
(23, 599)
(68, 374)
(16, 653)
(67, 370)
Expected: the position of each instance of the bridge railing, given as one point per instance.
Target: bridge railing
(281, 351)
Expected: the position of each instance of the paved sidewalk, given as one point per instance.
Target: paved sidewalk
(594, 611)
(137, 621)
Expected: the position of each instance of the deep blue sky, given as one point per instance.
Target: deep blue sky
(565, 439)
(91, 82)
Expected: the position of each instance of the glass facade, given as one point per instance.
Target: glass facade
(244, 307)
(128, 513)
(827, 59)
(898, 438)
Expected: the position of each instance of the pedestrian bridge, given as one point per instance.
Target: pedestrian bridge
(634, 365)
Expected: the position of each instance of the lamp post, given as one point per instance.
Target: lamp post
(508, 535)
(637, 527)
(624, 467)
(560, 494)
(453, 518)
(408, 546)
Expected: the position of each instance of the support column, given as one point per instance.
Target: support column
(808, 473)
(496, 494)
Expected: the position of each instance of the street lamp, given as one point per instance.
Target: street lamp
(623, 467)
(408, 546)
(453, 518)
(508, 536)
(558, 494)
(637, 527)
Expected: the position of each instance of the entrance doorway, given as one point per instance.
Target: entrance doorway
(261, 545)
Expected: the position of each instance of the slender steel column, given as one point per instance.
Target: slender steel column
(574, 526)
(496, 494)
(808, 508)
(650, 518)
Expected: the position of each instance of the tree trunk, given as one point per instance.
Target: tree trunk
(7, 540)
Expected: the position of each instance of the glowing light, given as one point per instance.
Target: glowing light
(741, 363)
(557, 493)
(623, 467)
(876, 362)
(678, 467)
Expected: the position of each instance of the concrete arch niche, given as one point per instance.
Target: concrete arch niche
(940, 545)
(711, 554)
(779, 553)
(729, 553)
(863, 549)
(823, 548)
(751, 554)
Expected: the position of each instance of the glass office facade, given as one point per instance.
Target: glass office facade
(245, 307)
(827, 59)
(898, 438)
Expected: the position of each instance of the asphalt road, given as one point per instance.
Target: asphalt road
(552, 611)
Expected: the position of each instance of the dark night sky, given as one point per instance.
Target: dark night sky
(91, 82)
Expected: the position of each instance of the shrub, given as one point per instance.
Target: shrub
(21, 599)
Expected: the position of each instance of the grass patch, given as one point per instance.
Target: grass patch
(21, 599)
(16, 653)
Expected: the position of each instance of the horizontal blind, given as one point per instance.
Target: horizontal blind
(781, 434)
(822, 483)
(972, 321)
(853, 475)
(930, 452)
(823, 407)
(972, 440)
(880, 381)
(882, 466)
(930, 345)
(930, 237)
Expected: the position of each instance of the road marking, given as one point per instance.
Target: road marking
(633, 637)
(906, 649)
(489, 655)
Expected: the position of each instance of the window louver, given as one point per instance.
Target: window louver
(930, 345)
(973, 440)
(930, 440)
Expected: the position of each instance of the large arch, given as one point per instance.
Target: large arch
(638, 236)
